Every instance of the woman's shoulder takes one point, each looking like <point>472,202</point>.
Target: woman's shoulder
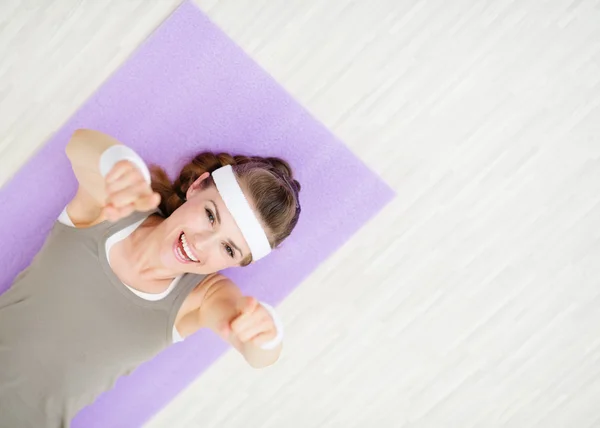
<point>188,319</point>
<point>204,289</point>
<point>207,284</point>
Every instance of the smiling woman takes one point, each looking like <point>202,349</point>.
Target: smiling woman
<point>131,266</point>
<point>272,193</point>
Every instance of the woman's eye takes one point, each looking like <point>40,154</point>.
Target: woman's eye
<point>229,250</point>
<point>210,216</point>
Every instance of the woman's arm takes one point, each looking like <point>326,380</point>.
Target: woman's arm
<point>238,319</point>
<point>84,150</point>
<point>113,180</point>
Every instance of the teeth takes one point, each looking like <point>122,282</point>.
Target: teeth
<point>187,250</point>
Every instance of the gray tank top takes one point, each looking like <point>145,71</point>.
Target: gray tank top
<point>69,328</point>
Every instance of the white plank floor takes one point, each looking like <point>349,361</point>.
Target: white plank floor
<point>472,300</point>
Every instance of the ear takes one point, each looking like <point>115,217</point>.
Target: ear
<point>196,185</point>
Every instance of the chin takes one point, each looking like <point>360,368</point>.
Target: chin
<point>204,270</point>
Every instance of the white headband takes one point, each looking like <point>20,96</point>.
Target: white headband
<point>238,206</point>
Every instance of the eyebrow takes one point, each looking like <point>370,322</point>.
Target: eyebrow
<point>229,241</point>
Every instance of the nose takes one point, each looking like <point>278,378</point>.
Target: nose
<point>203,243</point>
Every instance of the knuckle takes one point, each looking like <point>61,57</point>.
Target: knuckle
<point>124,164</point>
<point>122,199</point>
<point>143,187</point>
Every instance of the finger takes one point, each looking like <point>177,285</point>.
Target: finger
<point>127,178</point>
<point>245,316</point>
<point>128,195</point>
<point>118,170</point>
<point>247,305</point>
<point>262,338</point>
<point>224,331</point>
<point>248,330</point>
<point>146,203</point>
<point>239,323</point>
<point>110,213</point>
<point>250,313</point>
<point>125,211</point>
<point>248,334</point>
<point>114,214</point>
<point>244,322</point>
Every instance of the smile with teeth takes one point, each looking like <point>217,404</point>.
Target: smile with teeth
<point>182,250</point>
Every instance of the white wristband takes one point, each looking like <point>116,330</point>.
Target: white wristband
<point>273,343</point>
<point>117,153</point>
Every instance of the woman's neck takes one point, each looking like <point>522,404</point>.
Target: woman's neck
<point>142,249</point>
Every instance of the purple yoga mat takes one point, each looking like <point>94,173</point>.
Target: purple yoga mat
<point>189,88</point>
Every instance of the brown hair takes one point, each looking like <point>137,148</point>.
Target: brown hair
<point>269,182</point>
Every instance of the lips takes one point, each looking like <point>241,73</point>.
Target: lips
<point>182,250</point>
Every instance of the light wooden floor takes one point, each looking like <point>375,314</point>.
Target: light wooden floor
<point>473,299</point>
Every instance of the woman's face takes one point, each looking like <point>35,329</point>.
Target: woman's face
<point>201,236</point>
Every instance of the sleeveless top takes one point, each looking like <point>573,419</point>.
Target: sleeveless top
<point>69,328</point>
<point>117,237</point>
